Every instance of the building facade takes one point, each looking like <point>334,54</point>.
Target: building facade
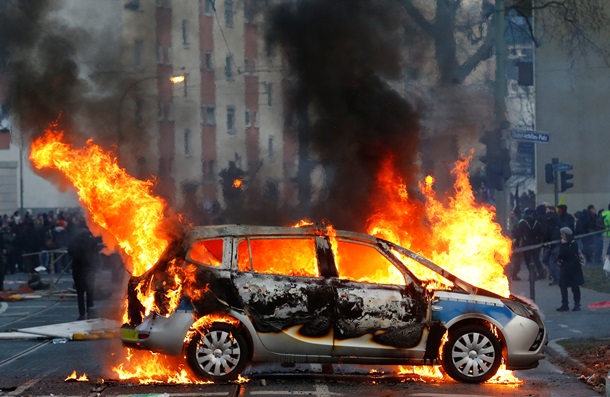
<point>227,109</point>
<point>571,106</point>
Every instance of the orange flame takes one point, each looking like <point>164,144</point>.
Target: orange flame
<point>460,236</point>
<point>73,377</point>
<point>124,207</point>
<point>237,183</point>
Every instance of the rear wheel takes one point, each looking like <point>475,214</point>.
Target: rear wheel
<point>472,354</point>
<point>217,353</point>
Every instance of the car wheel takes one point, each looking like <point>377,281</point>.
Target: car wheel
<point>217,353</point>
<point>472,354</point>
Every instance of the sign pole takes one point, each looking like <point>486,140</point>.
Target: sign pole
<point>555,182</point>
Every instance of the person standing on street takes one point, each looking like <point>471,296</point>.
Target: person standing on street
<point>83,250</point>
<point>606,234</point>
<point>529,232</point>
<point>570,270</point>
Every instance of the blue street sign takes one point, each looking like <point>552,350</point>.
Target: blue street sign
<point>531,136</point>
<point>563,167</point>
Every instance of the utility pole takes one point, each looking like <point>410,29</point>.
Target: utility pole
<point>502,195</point>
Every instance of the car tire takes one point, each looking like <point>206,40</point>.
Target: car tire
<point>472,354</point>
<point>218,353</point>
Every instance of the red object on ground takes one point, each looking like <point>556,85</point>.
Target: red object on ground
<point>599,305</point>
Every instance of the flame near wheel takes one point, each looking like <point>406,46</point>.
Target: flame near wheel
<point>218,353</point>
<point>472,354</point>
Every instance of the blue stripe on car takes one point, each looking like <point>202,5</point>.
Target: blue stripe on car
<point>455,308</point>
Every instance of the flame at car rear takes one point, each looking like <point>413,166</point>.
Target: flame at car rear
<point>122,208</point>
<point>126,214</point>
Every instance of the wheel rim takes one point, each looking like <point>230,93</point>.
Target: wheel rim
<point>218,353</point>
<point>473,354</point>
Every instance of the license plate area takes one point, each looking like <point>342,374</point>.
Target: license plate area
<point>129,334</point>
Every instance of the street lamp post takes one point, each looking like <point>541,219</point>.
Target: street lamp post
<point>174,79</point>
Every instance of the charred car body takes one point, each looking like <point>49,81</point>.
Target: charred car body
<point>255,294</point>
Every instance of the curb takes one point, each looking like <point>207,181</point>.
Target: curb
<point>555,351</point>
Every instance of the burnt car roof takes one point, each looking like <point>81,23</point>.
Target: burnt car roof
<point>203,232</point>
<point>236,230</point>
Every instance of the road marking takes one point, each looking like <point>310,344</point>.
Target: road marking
<point>19,391</point>
<point>23,353</point>
<point>3,307</point>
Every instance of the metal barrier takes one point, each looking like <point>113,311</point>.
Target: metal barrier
<point>54,257</point>
<point>531,266</point>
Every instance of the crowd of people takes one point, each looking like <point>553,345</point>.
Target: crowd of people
<point>31,244</point>
<point>565,237</point>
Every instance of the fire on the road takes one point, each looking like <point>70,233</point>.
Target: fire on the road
<point>460,236</point>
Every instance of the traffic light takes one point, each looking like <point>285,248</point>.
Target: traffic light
<point>549,173</point>
<point>496,159</point>
<point>565,177</point>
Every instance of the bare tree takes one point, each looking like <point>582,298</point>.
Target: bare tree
<point>461,34</point>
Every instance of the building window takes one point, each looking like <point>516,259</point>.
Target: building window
<point>209,7</point>
<point>170,111</point>
<point>270,148</point>
<point>248,65</point>
<point>170,56</point>
<point>248,118</point>
<point>249,12</point>
<point>132,5</point>
<point>159,55</point>
<point>229,13</point>
<point>208,115</point>
<point>231,120</point>
<point>209,169</point>
<point>185,32</point>
<point>229,67</point>
<point>137,115</point>
<point>160,111</point>
<point>209,62</point>
<point>187,143</point>
<point>211,115</point>
<point>138,47</point>
<point>269,93</point>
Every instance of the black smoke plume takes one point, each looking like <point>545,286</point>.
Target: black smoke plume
<point>46,58</point>
<point>343,53</point>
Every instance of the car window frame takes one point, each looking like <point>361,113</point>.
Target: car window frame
<point>237,240</point>
<point>224,263</point>
<point>390,258</point>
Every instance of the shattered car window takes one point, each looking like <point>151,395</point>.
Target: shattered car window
<point>364,263</point>
<point>286,256</point>
<point>207,252</point>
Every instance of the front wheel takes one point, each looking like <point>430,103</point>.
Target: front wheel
<point>472,354</point>
<point>218,353</point>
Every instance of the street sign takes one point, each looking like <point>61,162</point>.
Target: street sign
<point>563,167</point>
<point>531,136</point>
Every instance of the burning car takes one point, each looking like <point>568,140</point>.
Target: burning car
<point>230,295</point>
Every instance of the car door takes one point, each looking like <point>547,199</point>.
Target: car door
<point>288,302</point>
<point>378,314</point>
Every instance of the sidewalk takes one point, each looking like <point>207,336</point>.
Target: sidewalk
<point>591,322</point>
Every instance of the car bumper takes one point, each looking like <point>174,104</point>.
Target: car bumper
<point>159,334</point>
<point>525,341</point>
